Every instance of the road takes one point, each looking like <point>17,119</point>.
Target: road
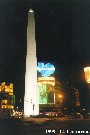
<point>51,127</point>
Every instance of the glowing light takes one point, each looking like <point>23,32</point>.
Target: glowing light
<point>4,101</point>
<point>10,93</point>
<point>8,106</point>
<point>60,96</point>
<point>87,74</point>
<point>45,69</point>
<point>31,10</point>
<point>46,80</point>
<point>6,88</point>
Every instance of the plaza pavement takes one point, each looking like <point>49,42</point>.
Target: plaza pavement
<point>42,120</point>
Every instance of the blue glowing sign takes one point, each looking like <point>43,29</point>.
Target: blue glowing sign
<point>45,69</point>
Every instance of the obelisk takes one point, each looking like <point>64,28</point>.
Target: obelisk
<point>31,103</point>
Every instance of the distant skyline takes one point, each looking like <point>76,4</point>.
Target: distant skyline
<point>62,36</point>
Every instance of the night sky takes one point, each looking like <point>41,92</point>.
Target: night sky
<point>62,36</point>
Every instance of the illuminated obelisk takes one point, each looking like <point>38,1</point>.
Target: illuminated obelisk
<point>31,105</point>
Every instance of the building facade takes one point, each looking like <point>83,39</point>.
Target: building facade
<point>7,99</point>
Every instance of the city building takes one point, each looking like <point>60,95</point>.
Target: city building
<point>7,99</point>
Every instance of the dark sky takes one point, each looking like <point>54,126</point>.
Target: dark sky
<point>62,36</point>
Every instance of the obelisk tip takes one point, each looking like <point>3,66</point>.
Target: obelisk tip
<point>31,10</point>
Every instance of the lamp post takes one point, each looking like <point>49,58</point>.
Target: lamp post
<point>60,99</point>
<point>87,77</point>
<point>60,96</point>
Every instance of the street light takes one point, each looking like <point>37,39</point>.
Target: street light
<point>87,76</point>
<point>60,99</point>
<point>60,96</point>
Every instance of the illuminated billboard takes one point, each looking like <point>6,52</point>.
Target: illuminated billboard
<point>42,94</point>
<point>45,69</point>
<point>46,91</point>
<point>46,96</point>
<point>46,81</point>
